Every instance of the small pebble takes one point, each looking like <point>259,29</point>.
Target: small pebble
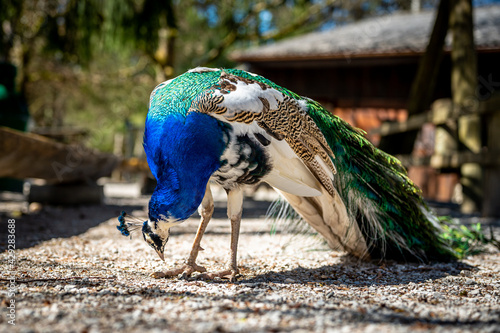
<point>69,287</point>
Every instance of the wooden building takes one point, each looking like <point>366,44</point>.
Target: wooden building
<point>363,72</point>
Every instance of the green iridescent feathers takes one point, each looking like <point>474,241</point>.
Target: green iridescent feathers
<point>176,95</point>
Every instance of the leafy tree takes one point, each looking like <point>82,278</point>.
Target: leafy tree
<point>92,63</point>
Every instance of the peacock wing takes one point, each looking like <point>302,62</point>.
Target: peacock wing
<point>302,156</point>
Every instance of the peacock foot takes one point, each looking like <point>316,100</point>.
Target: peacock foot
<point>230,274</point>
<point>185,270</point>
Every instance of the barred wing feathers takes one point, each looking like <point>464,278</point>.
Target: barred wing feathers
<point>303,161</point>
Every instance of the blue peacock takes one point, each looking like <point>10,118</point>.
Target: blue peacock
<point>235,128</point>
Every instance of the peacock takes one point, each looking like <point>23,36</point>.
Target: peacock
<point>235,129</point>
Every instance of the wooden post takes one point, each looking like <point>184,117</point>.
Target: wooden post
<point>463,87</point>
<point>445,142</point>
<point>428,69</point>
<point>118,142</point>
<point>445,145</point>
<point>424,83</point>
<point>491,206</point>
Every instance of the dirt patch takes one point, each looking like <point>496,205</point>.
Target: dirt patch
<point>74,272</point>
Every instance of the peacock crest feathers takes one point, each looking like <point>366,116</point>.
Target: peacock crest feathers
<point>129,223</point>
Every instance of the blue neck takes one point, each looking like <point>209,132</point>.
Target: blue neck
<point>182,153</point>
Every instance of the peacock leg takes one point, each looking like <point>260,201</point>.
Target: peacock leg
<point>234,210</point>
<point>206,210</point>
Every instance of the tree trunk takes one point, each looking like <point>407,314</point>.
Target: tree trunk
<point>463,87</point>
<point>172,32</point>
<point>164,55</point>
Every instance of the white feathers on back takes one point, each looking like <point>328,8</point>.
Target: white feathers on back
<point>247,98</point>
<point>200,69</point>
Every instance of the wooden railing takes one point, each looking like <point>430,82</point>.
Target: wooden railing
<point>442,114</point>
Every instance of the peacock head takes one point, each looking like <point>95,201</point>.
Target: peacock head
<point>156,234</point>
<point>155,231</point>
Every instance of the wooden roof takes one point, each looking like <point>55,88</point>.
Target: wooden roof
<point>398,34</point>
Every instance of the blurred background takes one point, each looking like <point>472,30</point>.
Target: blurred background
<point>421,77</point>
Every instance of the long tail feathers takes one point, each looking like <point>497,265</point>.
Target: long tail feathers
<point>384,209</point>
<point>329,217</point>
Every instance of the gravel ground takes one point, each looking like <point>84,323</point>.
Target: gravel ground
<point>74,272</point>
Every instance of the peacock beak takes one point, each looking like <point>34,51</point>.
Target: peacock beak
<point>160,254</point>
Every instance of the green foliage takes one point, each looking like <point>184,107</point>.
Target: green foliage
<point>92,63</point>
<point>464,240</point>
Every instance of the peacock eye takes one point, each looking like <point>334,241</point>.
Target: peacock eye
<point>147,238</point>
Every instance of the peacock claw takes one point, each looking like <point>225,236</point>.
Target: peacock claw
<point>158,275</point>
<point>229,274</point>
<point>185,270</point>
